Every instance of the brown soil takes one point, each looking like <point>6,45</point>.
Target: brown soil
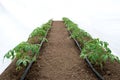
<point>59,60</point>
<point>111,71</point>
<point>34,40</point>
<point>10,73</point>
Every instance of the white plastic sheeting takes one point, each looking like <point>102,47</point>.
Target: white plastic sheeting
<point>19,17</point>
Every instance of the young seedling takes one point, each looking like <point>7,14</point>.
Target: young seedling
<point>95,50</point>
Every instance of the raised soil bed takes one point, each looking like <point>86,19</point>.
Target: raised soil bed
<point>59,60</point>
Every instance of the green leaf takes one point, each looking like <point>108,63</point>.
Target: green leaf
<point>7,55</point>
<point>19,62</point>
<point>105,58</point>
<point>34,58</point>
<point>18,68</point>
<point>25,63</point>
<point>97,51</point>
<point>18,55</point>
<point>10,54</point>
<point>45,39</point>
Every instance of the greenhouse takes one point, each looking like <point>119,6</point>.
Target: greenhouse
<point>59,40</point>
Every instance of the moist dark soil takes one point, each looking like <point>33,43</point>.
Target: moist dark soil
<point>59,60</point>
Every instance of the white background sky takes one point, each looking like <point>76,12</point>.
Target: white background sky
<point>101,18</point>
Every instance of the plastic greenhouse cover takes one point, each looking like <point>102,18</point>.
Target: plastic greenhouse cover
<point>19,17</point>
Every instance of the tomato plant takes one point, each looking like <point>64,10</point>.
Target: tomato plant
<point>98,52</point>
<point>21,51</point>
<point>25,51</point>
<point>38,34</point>
<point>95,50</point>
<point>79,34</point>
<point>47,25</point>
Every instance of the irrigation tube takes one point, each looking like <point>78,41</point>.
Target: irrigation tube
<point>76,42</point>
<point>88,62</point>
<point>93,69</point>
<point>28,67</point>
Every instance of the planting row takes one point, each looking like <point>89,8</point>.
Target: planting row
<point>95,50</point>
<point>25,52</point>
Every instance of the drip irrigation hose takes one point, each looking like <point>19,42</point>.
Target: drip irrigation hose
<point>93,69</point>
<point>88,62</point>
<point>29,66</point>
<point>26,71</point>
<point>76,42</point>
